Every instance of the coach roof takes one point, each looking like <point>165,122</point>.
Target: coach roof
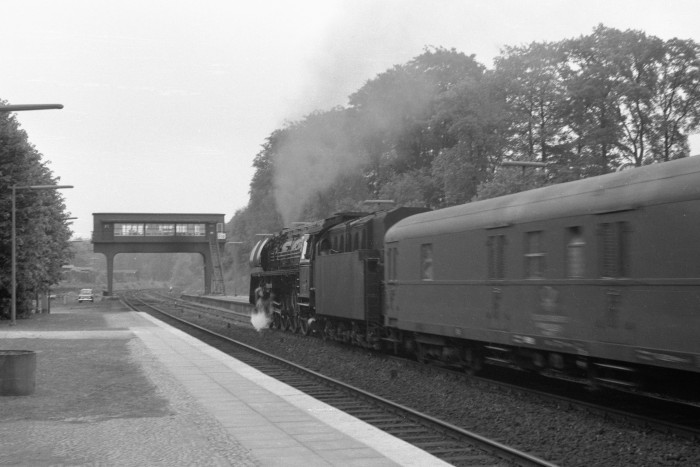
<point>673,181</point>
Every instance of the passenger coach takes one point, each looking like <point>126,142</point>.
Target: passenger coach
<point>600,275</point>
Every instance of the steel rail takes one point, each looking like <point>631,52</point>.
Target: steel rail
<point>616,413</point>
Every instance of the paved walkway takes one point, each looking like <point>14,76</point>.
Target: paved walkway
<point>116,387</point>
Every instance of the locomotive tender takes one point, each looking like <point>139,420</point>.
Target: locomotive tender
<point>599,277</point>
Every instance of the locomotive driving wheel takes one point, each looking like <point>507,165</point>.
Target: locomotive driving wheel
<point>292,309</point>
<point>304,325</point>
<point>285,322</point>
<point>293,324</point>
<point>276,321</point>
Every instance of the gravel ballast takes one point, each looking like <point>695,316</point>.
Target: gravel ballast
<point>562,435</point>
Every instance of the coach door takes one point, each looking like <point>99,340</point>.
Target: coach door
<point>496,248</point>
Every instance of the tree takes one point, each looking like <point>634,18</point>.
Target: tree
<point>634,97</point>
<point>434,131</point>
<point>530,80</point>
<point>41,232</point>
<point>473,113</point>
<point>676,104</point>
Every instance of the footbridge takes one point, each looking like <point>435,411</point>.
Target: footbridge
<point>115,233</point>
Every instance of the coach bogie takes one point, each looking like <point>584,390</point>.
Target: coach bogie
<point>473,359</point>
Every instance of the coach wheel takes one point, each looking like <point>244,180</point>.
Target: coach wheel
<point>329,331</point>
<point>421,353</point>
<point>474,361</point>
<point>343,333</point>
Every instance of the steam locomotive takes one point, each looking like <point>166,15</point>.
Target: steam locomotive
<point>598,277</point>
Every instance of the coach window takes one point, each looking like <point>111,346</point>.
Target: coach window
<point>495,246</point>
<point>575,254</point>
<point>534,255</point>
<point>426,261</point>
<point>613,248</point>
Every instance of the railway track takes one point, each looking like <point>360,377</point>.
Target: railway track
<point>647,411</point>
<point>448,442</point>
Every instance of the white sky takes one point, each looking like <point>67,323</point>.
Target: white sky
<point>167,102</point>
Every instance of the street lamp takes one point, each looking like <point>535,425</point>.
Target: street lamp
<point>22,107</point>
<point>13,315</point>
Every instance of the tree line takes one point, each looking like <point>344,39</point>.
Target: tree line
<point>434,131</point>
<point>42,234</point>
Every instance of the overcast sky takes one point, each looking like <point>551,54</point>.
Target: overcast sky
<point>167,102</point>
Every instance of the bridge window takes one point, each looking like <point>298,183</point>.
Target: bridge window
<point>125,230</point>
<point>160,230</point>
<point>190,230</point>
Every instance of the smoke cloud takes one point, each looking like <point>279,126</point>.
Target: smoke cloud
<point>310,160</point>
<point>260,320</point>
<point>337,66</point>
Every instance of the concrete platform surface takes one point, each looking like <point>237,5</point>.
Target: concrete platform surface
<point>115,387</point>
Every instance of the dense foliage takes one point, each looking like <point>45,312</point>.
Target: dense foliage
<point>434,131</point>
<point>41,229</point>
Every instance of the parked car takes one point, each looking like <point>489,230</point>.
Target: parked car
<point>86,295</point>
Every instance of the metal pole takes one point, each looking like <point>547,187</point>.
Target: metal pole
<point>13,309</point>
<point>13,313</point>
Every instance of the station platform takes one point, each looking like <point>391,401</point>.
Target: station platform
<point>116,387</point>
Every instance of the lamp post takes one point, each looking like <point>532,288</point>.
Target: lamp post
<point>13,314</point>
<point>23,107</point>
